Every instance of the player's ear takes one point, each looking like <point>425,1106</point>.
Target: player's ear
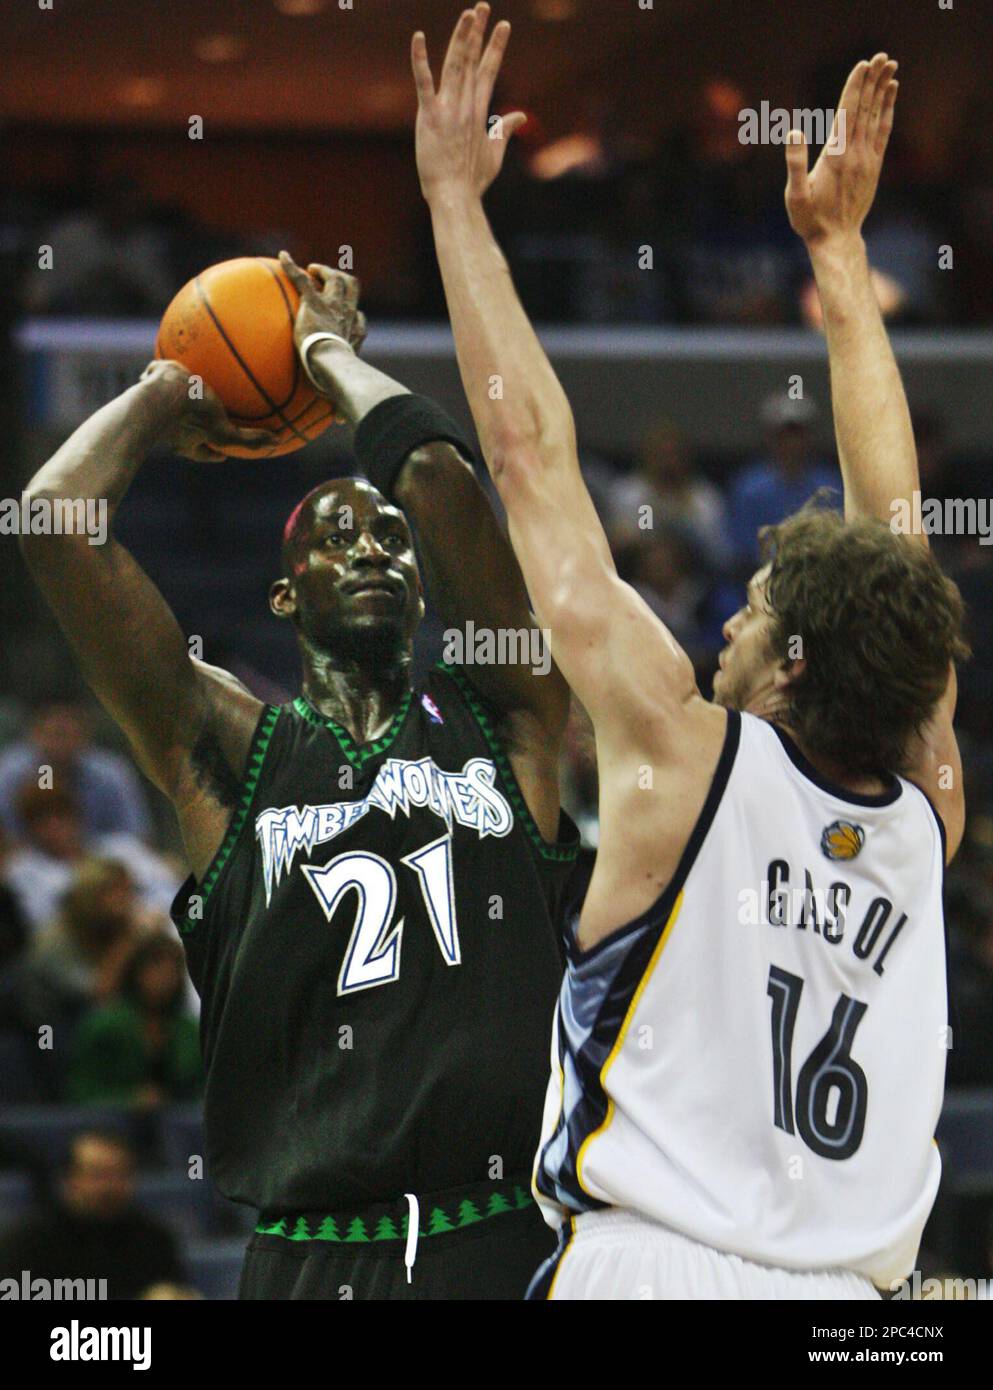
<point>789,671</point>
<point>282,598</point>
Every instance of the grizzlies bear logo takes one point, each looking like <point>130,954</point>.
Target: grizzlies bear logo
<point>842,840</point>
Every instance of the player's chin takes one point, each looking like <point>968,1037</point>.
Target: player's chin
<point>721,690</point>
<point>376,636</point>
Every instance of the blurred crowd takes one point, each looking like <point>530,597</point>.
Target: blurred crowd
<point>704,213</point>
<point>92,979</point>
<point>609,226</point>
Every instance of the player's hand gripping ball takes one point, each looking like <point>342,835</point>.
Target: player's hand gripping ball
<point>329,302</point>
<point>233,325</point>
<point>198,426</point>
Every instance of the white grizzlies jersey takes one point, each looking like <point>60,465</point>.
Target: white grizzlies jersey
<point>758,1060</point>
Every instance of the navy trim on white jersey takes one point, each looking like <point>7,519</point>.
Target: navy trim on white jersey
<point>892,793</point>
<point>662,906</point>
<point>596,996</point>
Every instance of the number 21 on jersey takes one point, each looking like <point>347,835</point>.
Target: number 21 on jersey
<point>372,956</point>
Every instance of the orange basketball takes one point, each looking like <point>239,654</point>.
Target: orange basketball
<point>233,326</point>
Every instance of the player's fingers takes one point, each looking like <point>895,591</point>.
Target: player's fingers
<point>848,103</point>
<point>474,43</point>
<point>421,68</point>
<point>298,278</point>
<point>489,67</point>
<point>867,96</point>
<point>797,178</point>
<point>880,72</point>
<point>513,122</point>
<point>454,65</point>
<point>342,288</point>
<point>886,119</point>
<point>334,283</point>
<point>879,99</point>
<point>203,453</point>
<point>256,440</point>
<point>320,274</point>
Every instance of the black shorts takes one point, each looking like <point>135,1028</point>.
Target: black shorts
<point>482,1242</point>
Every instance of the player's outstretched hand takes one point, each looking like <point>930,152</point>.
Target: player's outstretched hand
<point>456,147</point>
<point>835,196</point>
<point>198,425</point>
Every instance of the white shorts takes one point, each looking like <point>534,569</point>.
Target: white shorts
<point>620,1255</point>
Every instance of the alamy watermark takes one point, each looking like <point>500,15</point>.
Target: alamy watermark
<point>942,516</point>
<point>502,646</point>
<point>38,1290</point>
<point>947,1288</point>
<point>83,1343</point>
<point>772,125</point>
<point>54,516</point>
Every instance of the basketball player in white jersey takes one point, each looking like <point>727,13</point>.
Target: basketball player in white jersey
<point>749,1047</point>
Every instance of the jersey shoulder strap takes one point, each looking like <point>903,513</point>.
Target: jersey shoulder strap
<point>447,682</point>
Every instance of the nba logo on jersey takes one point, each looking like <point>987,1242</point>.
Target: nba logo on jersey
<point>842,840</point>
<point>434,713</point>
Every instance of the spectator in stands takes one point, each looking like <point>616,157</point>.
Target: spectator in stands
<point>734,260</point>
<point>665,488</point>
<point>108,259</point>
<point>615,281</point>
<point>776,486</point>
<point>92,1230</point>
<point>79,961</point>
<point>668,571</point>
<point>141,1049</point>
<point>55,843</point>
<point>108,792</point>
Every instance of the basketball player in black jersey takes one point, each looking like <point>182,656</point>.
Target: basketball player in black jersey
<point>375,868</point>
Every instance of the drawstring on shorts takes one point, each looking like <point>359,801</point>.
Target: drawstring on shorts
<point>413,1227</point>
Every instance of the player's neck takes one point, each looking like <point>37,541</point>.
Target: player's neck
<point>363,701</point>
<point>862,784</point>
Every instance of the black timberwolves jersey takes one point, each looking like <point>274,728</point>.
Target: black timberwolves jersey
<point>375,954</point>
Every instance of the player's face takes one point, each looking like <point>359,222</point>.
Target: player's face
<point>747,664</point>
<point>354,587</point>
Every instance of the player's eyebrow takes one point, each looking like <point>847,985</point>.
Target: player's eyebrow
<point>392,517</point>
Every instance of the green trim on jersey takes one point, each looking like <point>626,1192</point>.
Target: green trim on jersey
<point>356,755</point>
<point>561,854</point>
<point>352,1228</point>
<point>253,771</point>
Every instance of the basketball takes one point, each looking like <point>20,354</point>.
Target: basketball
<point>232,325</point>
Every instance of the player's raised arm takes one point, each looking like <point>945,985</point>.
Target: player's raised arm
<point>472,573</point>
<point>827,207</point>
<point>522,415</point>
<point>176,712</point>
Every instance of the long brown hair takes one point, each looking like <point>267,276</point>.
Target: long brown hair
<point>879,624</point>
